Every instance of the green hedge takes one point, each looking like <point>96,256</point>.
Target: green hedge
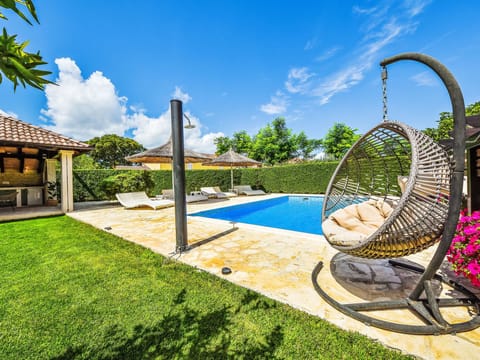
<point>87,184</point>
<point>310,178</point>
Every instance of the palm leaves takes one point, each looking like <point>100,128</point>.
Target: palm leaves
<point>16,64</point>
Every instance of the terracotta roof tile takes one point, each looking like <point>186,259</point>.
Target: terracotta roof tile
<point>17,132</point>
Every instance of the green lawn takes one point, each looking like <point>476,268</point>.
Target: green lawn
<point>69,291</point>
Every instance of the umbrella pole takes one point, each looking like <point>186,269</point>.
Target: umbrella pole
<point>231,177</point>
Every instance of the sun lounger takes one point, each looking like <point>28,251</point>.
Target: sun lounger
<point>247,190</point>
<point>195,197</point>
<point>140,199</point>
<point>228,193</point>
<point>169,195</point>
<point>212,192</point>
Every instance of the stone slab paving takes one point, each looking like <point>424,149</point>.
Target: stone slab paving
<point>276,263</point>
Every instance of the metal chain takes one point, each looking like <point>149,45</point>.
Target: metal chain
<point>384,90</point>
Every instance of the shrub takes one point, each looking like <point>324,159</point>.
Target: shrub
<point>127,182</point>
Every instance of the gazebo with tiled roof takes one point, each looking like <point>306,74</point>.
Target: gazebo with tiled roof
<point>28,156</point>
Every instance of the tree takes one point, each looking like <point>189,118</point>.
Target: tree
<point>17,65</point>
<point>223,144</point>
<point>443,129</point>
<point>110,150</point>
<point>265,147</point>
<point>84,162</point>
<point>445,123</point>
<point>242,142</point>
<point>273,143</point>
<point>339,139</point>
<point>284,139</point>
<point>305,147</point>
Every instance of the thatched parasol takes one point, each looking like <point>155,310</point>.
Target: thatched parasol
<point>231,158</point>
<point>164,154</point>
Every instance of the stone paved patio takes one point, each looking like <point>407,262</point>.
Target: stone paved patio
<point>273,262</point>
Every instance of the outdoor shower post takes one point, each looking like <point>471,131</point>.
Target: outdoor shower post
<point>179,176</point>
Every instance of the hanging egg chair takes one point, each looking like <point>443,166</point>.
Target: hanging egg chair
<point>389,195</point>
<point>397,192</point>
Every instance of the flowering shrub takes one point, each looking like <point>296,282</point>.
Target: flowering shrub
<point>464,252</point>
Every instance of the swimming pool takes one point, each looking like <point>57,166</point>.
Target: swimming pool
<point>297,213</point>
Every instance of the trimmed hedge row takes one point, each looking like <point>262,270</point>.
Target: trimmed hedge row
<point>310,178</point>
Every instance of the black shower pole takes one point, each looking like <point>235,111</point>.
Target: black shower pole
<point>178,170</point>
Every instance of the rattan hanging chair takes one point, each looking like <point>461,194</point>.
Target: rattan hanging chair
<point>396,192</point>
<point>374,169</point>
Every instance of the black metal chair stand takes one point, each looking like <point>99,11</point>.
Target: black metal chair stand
<point>425,213</point>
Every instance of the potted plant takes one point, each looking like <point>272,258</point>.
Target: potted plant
<point>52,193</point>
<point>464,252</point>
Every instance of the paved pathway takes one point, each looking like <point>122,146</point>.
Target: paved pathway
<point>275,263</point>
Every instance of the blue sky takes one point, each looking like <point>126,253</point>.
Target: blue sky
<point>239,64</point>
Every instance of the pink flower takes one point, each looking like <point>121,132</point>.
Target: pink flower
<point>464,219</point>
<point>464,251</point>
<point>471,249</point>
<point>474,268</point>
<point>471,229</point>
<point>458,239</point>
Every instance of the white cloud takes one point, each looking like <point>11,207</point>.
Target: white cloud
<point>382,31</point>
<point>374,16</point>
<point>153,132</point>
<point>388,33</point>
<point>8,113</point>
<point>297,79</point>
<point>415,7</point>
<point>424,79</point>
<point>380,25</point>
<point>180,95</point>
<point>83,108</point>
<point>196,141</point>
<point>310,44</point>
<point>150,131</point>
<point>338,82</point>
<point>277,105</point>
<point>364,11</point>
<point>328,54</point>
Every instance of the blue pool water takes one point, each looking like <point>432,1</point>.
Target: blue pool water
<point>297,213</point>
